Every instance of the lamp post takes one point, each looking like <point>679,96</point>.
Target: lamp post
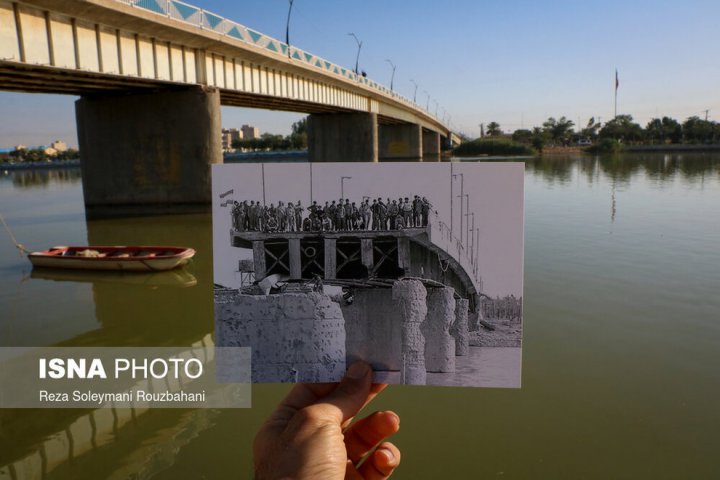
<point>467,209</point>
<point>287,27</point>
<point>477,252</point>
<point>357,58</point>
<point>342,186</point>
<point>462,190</point>
<point>427,104</point>
<point>414,94</point>
<point>472,247</point>
<point>392,78</point>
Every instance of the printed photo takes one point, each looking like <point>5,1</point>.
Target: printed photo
<point>416,268</point>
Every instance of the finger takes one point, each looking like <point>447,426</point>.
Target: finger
<point>381,463</point>
<point>364,435</point>
<point>349,397</point>
<point>375,389</point>
<point>299,397</point>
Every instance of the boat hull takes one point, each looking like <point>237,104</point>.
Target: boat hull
<point>131,259</point>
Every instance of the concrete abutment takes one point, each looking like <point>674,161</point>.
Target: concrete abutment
<point>149,149</point>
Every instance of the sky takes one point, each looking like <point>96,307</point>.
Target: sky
<point>516,62</point>
<point>495,196</point>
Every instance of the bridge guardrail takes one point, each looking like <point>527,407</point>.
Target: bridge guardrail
<point>440,235</point>
<point>205,20</point>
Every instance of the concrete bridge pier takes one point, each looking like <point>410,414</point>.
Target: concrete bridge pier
<point>343,137</point>
<point>410,296</point>
<point>148,149</point>
<point>439,344</point>
<point>430,146</point>
<point>401,142</point>
<point>460,330</point>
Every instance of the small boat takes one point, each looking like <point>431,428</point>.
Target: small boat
<point>136,259</point>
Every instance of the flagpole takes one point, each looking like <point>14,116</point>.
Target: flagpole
<point>617,83</point>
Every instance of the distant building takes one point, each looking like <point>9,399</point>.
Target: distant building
<point>50,151</point>
<point>229,135</point>
<point>20,147</point>
<point>249,132</point>
<point>59,146</point>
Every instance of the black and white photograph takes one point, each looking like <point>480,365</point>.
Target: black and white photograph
<point>415,268</point>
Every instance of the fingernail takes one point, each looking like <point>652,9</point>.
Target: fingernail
<point>393,415</point>
<point>388,454</point>
<point>358,370</point>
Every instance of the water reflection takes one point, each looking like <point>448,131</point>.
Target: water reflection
<point>691,167</point>
<point>33,178</point>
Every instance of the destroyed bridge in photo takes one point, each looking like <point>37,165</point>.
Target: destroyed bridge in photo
<point>366,258</point>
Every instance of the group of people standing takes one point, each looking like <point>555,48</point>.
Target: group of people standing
<point>342,215</point>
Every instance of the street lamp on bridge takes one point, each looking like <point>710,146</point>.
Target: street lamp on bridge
<point>462,189</point>
<point>342,186</point>
<point>359,44</point>
<point>414,94</point>
<point>287,27</point>
<point>467,214</point>
<point>392,78</point>
<point>427,104</point>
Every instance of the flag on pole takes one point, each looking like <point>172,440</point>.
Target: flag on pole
<point>617,81</point>
<point>229,192</point>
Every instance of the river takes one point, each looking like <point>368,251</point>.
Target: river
<point>621,334</point>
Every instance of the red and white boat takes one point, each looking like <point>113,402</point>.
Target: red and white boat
<point>119,258</point>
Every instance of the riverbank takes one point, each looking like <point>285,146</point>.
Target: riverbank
<point>36,165</point>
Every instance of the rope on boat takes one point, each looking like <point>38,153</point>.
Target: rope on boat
<point>18,245</point>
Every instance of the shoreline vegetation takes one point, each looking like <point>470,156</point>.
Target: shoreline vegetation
<point>558,136</point>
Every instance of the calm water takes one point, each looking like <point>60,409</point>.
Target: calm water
<point>621,349</point>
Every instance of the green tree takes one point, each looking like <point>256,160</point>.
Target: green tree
<point>696,130</point>
<point>591,129</point>
<point>539,139</point>
<point>559,131</point>
<point>522,135</point>
<point>663,130</point>
<point>493,129</point>
<point>622,128</point>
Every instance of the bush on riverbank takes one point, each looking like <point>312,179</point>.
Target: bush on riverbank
<point>606,146</point>
<point>492,146</point>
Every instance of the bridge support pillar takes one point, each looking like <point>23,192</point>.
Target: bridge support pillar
<point>400,142</point>
<point>439,344</point>
<point>430,146</point>
<point>460,330</point>
<point>343,137</point>
<point>410,296</point>
<point>330,245</point>
<point>295,258</point>
<point>149,149</point>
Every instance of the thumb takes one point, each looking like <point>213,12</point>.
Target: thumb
<point>352,393</point>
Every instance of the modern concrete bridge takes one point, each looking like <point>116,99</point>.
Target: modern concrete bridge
<point>152,75</point>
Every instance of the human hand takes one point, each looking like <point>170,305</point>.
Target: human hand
<point>308,437</point>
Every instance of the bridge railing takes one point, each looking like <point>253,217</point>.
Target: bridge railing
<point>440,234</point>
<point>205,20</point>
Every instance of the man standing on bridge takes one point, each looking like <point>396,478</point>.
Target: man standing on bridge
<point>298,215</point>
<point>330,211</point>
<point>251,215</point>
<point>365,214</point>
<point>393,213</point>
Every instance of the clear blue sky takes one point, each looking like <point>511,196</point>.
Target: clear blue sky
<point>514,62</point>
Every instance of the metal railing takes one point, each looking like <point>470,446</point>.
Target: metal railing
<point>202,19</point>
<point>441,236</point>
